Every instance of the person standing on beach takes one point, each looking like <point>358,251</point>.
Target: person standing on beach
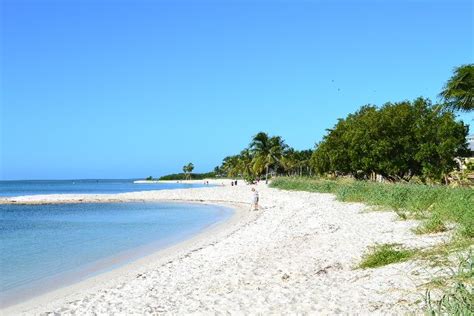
<point>255,199</point>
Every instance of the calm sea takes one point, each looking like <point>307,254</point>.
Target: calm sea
<point>30,187</point>
<point>44,247</point>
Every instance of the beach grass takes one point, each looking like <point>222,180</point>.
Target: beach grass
<point>454,293</point>
<point>436,206</point>
<point>382,255</point>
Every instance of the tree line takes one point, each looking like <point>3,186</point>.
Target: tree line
<point>266,155</point>
<point>397,141</point>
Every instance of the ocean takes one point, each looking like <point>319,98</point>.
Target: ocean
<point>96,186</point>
<point>45,247</point>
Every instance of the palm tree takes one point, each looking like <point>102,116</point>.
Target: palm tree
<point>187,169</point>
<point>230,165</point>
<point>289,161</point>
<point>217,171</point>
<point>459,90</point>
<point>296,161</point>
<point>304,157</point>
<point>245,161</point>
<point>190,168</point>
<point>267,152</point>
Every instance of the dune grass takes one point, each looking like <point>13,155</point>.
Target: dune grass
<point>455,293</point>
<point>435,205</point>
<point>382,255</point>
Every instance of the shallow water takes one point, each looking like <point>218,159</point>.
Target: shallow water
<point>99,186</point>
<point>47,246</point>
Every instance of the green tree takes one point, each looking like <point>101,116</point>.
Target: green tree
<point>289,161</point>
<point>230,166</point>
<point>190,168</point>
<point>304,158</point>
<point>331,154</point>
<point>295,162</point>
<point>187,169</point>
<point>245,164</point>
<point>267,152</point>
<point>439,139</point>
<point>398,141</point>
<point>458,92</point>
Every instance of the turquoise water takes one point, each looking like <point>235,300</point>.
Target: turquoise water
<point>97,186</point>
<point>47,246</point>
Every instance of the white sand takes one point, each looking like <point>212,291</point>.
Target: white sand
<point>298,254</point>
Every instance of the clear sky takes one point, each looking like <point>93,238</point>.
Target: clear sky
<point>124,89</point>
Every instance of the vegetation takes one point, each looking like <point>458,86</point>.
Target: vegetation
<point>437,205</point>
<point>458,92</point>
<point>266,152</point>
<point>398,141</point>
<point>402,152</point>
<point>266,155</point>
<point>185,176</point>
<point>187,169</point>
<point>457,294</point>
<point>385,254</point>
<point>149,178</point>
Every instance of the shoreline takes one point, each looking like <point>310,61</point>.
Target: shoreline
<point>135,196</point>
<point>126,270</point>
<point>211,181</point>
<point>298,254</point>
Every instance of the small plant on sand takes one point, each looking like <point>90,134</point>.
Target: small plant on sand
<point>432,225</point>
<point>401,214</point>
<point>458,298</point>
<point>382,255</point>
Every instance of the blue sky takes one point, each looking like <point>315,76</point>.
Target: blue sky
<point>123,89</point>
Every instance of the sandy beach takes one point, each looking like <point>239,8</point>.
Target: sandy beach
<point>297,254</point>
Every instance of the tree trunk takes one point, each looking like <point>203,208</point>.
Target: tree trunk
<point>266,175</point>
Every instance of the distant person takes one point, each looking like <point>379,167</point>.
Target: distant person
<point>255,199</point>
<point>235,182</point>
<point>232,183</point>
